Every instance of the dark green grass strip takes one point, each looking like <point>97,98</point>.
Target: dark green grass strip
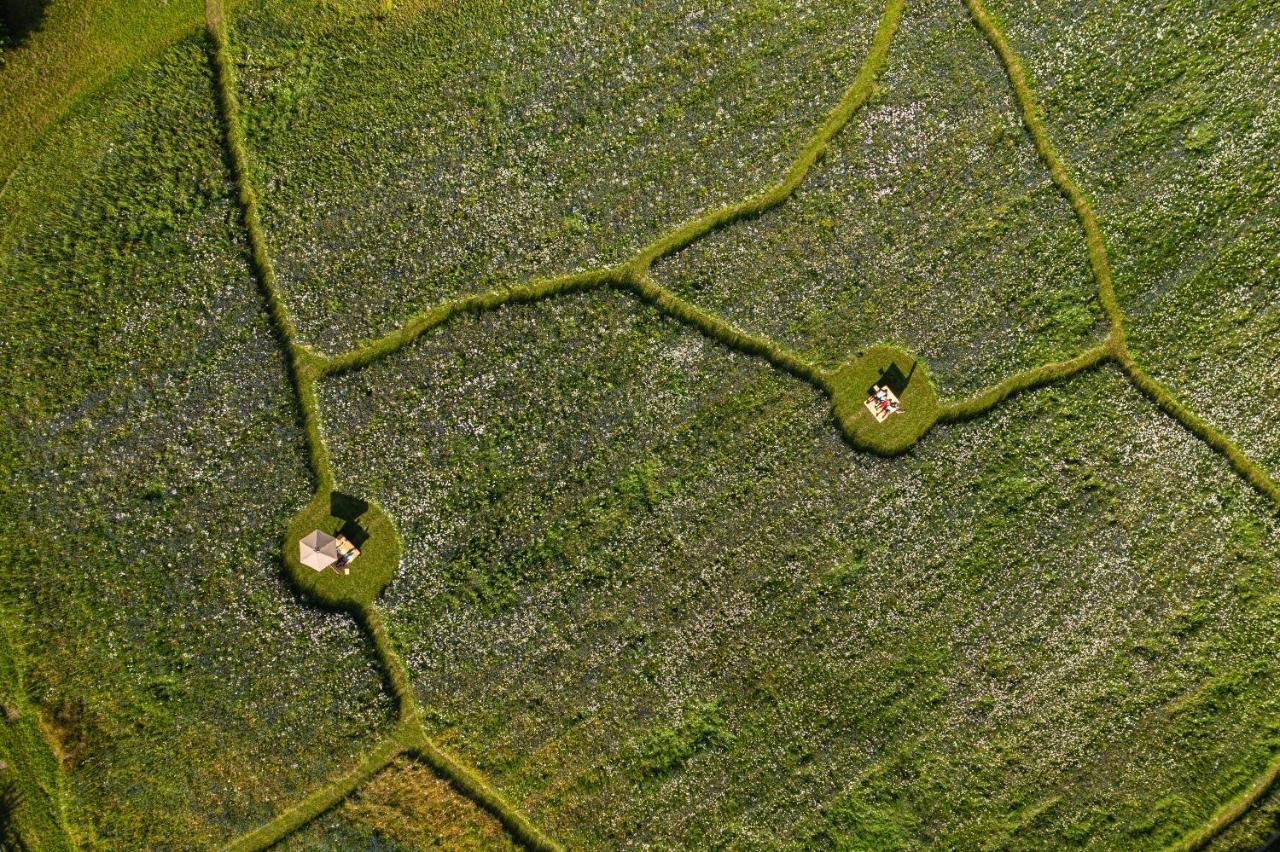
<point>303,365</point>
<point>38,816</point>
<point>1202,429</point>
<point>1036,377</point>
<point>1230,812</point>
<point>319,801</point>
<point>633,271</point>
<point>717,329</point>
<point>1033,118</point>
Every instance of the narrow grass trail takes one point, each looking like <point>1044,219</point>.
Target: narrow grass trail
<point>632,276</point>
<point>409,736</point>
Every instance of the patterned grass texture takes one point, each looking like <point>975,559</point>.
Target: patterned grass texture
<point>419,168</point>
<point>1168,119</point>
<point>655,597</point>
<point>152,459</point>
<point>930,222</point>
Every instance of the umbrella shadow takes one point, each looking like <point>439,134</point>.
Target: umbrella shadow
<point>19,19</point>
<point>349,509</point>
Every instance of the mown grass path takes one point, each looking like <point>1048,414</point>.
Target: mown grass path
<point>632,276</point>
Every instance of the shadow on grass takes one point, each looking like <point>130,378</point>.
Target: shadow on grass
<point>19,19</point>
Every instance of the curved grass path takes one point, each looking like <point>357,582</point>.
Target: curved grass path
<point>631,276</point>
<point>1249,470</point>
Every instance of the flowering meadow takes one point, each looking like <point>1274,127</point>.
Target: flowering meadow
<point>152,458</point>
<point>647,592</point>
<point>930,223</point>
<point>1171,116</point>
<point>648,589</point>
<point>476,143</point>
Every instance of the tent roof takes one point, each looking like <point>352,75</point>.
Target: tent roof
<point>318,550</point>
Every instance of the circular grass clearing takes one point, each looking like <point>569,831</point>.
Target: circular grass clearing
<point>851,385</point>
<point>366,526</point>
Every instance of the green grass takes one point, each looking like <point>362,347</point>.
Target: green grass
<point>691,517</point>
<point>156,431</point>
<point>849,391</point>
<point>648,594</point>
<point>369,573</point>
<point>38,818</point>
<point>78,48</point>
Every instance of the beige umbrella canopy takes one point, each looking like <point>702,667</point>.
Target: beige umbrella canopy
<point>318,550</point>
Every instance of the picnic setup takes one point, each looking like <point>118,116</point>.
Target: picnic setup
<point>319,550</point>
<point>883,397</point>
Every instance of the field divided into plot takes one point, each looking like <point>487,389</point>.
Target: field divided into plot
<point>1170,118</point>
<point>151,459</point>
<point>648,591</point>
<point>478,143</point>
<point>929,223</point>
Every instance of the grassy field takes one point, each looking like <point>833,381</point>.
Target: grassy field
<point>469,144</point>
<point>1170,117</point>
<point>151,462</point>
<point>643,588</point>
<point>67,50</point>
<point>644,578</point>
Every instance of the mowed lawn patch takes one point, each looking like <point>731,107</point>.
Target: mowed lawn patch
<point>363,524</point>
<point>851,387</point>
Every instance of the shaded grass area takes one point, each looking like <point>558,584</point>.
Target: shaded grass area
<point>698,619</point>
<point>928,221</point>
<point>151,461</point>
<point>68,50</point>
<point>419,169</point>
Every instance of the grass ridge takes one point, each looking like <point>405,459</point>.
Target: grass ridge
<point>1231,811</point>
<point>634,270</point>
<point>1033,120</point>
<point>1248,470</point>
<point>319,801</point>
<point>302,362</point>
<point>667,302</point>
<point>1215,438</point>
<point>40,810</point>
<point>1045,374</point>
